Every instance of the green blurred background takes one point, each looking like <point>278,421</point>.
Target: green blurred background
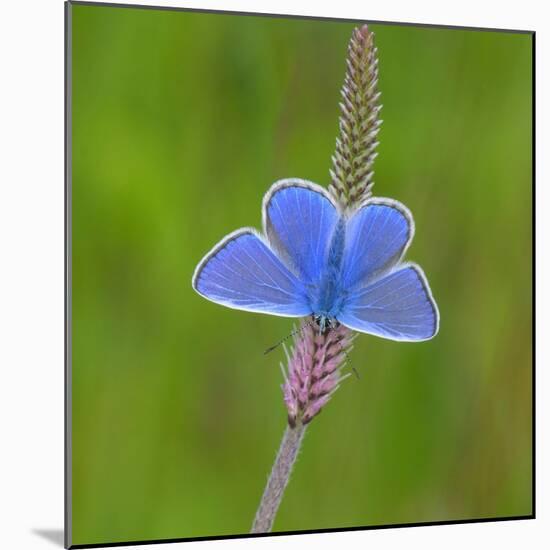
<point>181,122</point>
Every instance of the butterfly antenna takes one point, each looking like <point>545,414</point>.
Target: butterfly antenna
<point>348,361</point>
<point>283,340</point>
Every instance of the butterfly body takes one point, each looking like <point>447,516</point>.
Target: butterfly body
<point>326,297</point>
<point>313,259</point>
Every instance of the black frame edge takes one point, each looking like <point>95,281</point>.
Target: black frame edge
<point>290,16</point>
<point>67,538</point>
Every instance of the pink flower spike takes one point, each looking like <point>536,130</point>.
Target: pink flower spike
<point>314,366</point>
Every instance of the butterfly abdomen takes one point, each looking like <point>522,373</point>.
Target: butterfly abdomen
<point>336,250</point>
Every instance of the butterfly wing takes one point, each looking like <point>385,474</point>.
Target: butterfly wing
<point>242,272</point>
<point>399,306</point>
<point>299,219</point>
<point>377,236</point>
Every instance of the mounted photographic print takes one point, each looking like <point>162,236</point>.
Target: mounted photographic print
<point>299,274</point>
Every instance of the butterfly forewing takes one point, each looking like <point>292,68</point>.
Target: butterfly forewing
<point>399,306</point>
<point>242,272</point>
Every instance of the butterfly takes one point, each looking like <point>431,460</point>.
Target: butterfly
<point>315,259</point>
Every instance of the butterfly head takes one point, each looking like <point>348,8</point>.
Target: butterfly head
<point>325,323</point>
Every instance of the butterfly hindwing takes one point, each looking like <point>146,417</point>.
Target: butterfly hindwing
<point>242,272</point>
<point>398,306</point>
<point>299,219</point>
<point>377,236</point>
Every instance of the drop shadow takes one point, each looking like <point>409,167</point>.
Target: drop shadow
<point>55,536</point>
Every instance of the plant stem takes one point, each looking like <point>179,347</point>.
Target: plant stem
<point>313,372</point>
<point>278,479</point>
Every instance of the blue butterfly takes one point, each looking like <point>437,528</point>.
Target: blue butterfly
<point>314,259</point>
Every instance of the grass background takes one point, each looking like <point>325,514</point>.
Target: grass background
<point>181,122</point>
